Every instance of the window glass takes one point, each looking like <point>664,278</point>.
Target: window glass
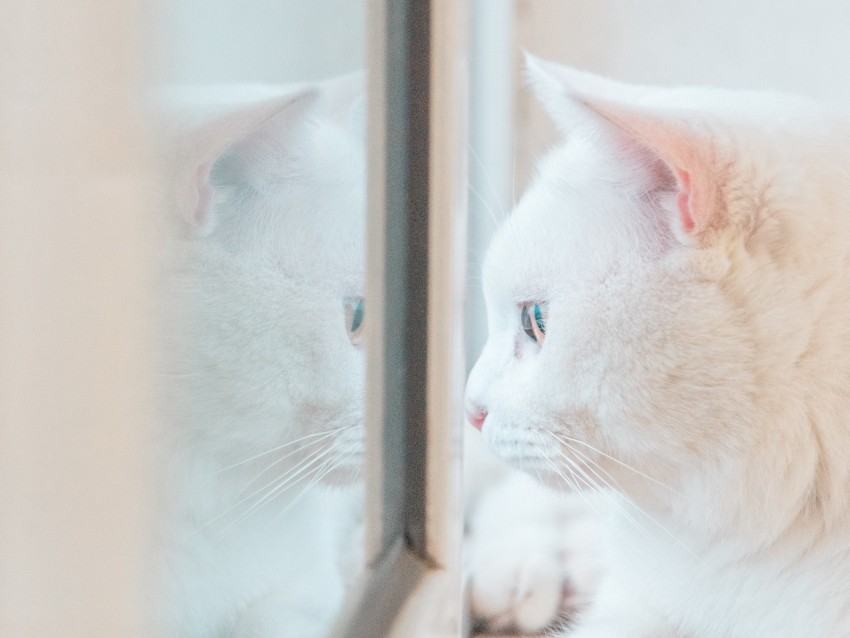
<point>260,110</point>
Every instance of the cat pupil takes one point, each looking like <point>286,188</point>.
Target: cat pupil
<point>538,318</point>
<point>358,316</point>
<point>536,329</point>
<point>354,308</point>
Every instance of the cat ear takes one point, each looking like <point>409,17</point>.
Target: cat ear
<point>575,98</point>
<point>563,91</point>
<point>248,131</point>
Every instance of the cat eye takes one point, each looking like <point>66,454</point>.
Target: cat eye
<point>533,318</point>
<point>354,318</point>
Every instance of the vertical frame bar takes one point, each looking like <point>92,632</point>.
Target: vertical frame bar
<point>416,243</point>
<point>406,268</point>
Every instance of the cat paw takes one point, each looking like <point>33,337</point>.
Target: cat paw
<point>516,583</point>
<point>531,557</point>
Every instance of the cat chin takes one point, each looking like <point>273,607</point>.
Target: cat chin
<point>543,470</point>
<point>558,479</point>
<point>551,479</point>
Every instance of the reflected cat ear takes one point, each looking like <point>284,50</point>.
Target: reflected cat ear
<point>344,100</point>
<point>577,98</point>
<point>247,132</point>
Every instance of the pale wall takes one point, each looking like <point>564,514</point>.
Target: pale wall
<point>786,45</point>
<point>270,41</point>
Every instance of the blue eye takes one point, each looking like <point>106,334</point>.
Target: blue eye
<point>533,320</point>
<point>354,307</point>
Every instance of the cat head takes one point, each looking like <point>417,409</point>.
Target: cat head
<point>264,368</point>
<point>664,293</point>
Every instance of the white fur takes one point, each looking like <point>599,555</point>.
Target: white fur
<point>257,367</point>
<point>531,555</point>
<point>704,373</point>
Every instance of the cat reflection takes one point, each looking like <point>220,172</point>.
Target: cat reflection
<point>262,365</point>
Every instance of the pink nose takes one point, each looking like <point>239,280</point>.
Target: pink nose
<point>476,417</point>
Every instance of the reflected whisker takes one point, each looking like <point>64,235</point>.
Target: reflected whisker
<point>312,470</point>
<point>320,474</point>
<point>285,456</point>
<point>323,435</point>
<point>283,483</point>
<point>293,472</point>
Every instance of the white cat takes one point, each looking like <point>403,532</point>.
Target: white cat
<point>262,372</point>
<point>668,317</point>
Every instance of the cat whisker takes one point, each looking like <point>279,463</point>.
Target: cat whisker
<point>615,487</point>
<point>484,204</point>
<point>513,180</point>
<point>488,181</point>
<point>576,470</point>
<point>573,482</point>
<point>356,476</point>
<point>568,439</point>
<point>640,564</point>
<point>609,483</point>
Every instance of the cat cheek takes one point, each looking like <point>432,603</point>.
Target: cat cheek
<point>204,192</point>
<point>518,344</point>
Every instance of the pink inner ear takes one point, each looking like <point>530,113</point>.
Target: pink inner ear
<point>204,193</point>
<point>681,147</point>
<point>678,148</point>
<point>685,201</point>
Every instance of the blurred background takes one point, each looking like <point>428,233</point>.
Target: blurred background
<point>780,45</point>
<point>268,41</point>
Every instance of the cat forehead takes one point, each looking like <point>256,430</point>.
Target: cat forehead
<point>305,177</point>
<point>579,219</point>
<point>318,154</point>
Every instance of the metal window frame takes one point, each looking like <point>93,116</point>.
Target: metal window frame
<point>415,284</point>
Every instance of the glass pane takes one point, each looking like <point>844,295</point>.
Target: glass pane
<point>261,110</point>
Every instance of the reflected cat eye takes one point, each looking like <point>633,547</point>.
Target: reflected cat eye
<point>533,319</point>
<point>354,307</point>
